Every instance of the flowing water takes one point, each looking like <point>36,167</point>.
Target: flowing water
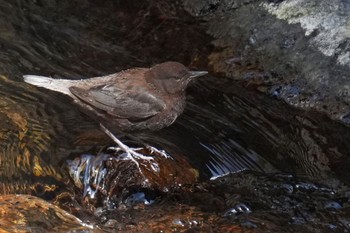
<point>224,129</point>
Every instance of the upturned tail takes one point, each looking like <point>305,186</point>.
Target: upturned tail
<point>59,85</point>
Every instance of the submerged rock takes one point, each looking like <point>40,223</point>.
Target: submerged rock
<point>24,213</point>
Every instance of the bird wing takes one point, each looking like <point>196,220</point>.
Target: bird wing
<point>134,103</point>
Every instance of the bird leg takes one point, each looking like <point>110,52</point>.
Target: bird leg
<point>131,153</point>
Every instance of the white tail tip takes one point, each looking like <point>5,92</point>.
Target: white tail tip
<point>59,85</point>
<point>36,80</point>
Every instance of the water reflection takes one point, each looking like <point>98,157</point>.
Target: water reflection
<point>229,130</point>
<point>24,213</point>
<point>226,131</point>
<point>225,128</point>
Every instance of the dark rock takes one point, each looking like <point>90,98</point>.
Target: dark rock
<point>302,41</point>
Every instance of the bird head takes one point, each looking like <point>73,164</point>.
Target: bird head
<point>171,77</point>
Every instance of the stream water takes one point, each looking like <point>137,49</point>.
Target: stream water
<point>225,128</point>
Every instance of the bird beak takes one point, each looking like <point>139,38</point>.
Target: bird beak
<point>194,74</point>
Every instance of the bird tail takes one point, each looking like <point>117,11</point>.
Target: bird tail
<point>59,85</point>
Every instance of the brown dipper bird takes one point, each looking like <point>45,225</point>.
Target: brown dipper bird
<point>131,100</point>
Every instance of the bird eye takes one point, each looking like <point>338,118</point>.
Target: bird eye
<point>182,74</point>
<point>176,77</point>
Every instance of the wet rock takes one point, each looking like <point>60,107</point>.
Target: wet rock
<point>113,180</point>
<point>88,38</point>
<point>24,213</point>
<point>300,46</point>
<point>169,217</point>
<point>242,202</point>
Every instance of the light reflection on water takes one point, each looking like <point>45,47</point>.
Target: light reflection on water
<point>229,130</point>
<point>225,128</point>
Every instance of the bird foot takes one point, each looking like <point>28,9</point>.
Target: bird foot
<point>131,153</point>
<point>155,150</point>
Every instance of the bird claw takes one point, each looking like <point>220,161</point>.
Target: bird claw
<point>131,153</point>
<point>160,152</point>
